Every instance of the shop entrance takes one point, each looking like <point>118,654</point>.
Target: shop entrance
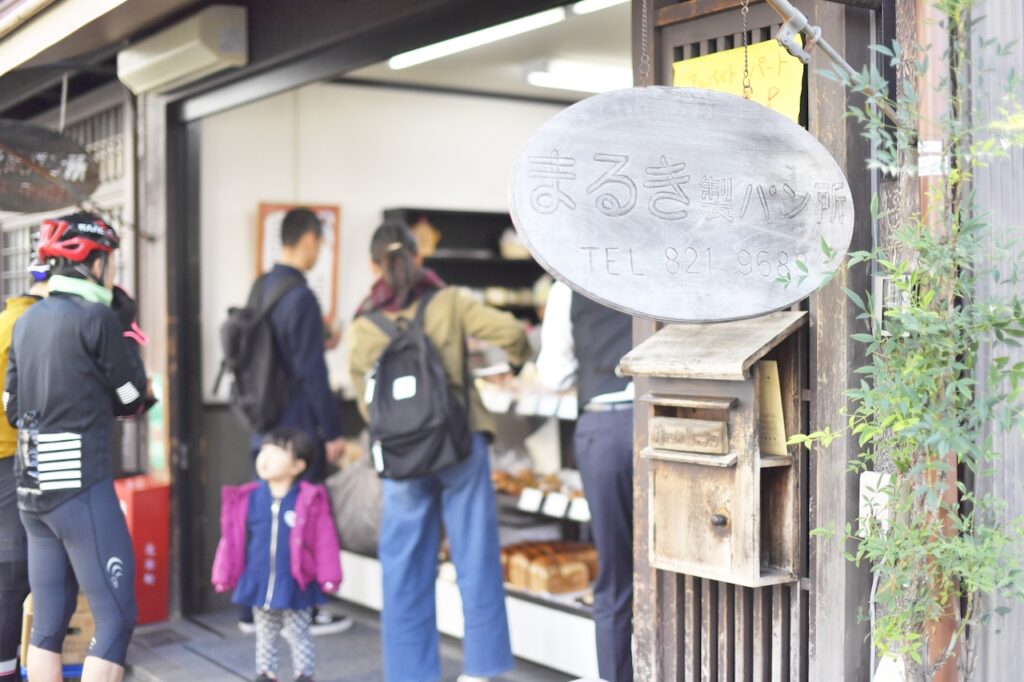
<point>431,145</point>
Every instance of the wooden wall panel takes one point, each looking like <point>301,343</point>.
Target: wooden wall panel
<point>720,632</point>
<point>1000,647</point>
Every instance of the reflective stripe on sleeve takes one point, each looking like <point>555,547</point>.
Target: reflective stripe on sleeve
<point>128,393</point>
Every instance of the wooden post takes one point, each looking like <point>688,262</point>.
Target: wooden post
<point>151,266</point>
<point>933,98</point>
<point>839,590</point>
<point>645,577</point>
<point>646,592</point>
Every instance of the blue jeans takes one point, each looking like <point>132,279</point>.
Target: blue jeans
<point>462,495</point>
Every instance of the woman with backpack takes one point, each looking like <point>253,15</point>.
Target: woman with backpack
<point>441,474</point>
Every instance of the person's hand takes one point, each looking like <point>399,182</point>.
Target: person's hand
<point>332,341</point>
<point>505,380</point>
<point>335,450</point>
<point>150,399</point>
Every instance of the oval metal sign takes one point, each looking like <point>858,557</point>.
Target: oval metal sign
<point>683,205</point>
<point>42,170</point>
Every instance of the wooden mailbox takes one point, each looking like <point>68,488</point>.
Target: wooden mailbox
<point>719,507</point>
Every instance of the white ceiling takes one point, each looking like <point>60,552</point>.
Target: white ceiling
<point>601,37</point>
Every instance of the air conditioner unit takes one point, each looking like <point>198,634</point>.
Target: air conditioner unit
<point>207,42</point>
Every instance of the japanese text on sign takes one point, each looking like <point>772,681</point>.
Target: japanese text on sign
<point>646,201</point>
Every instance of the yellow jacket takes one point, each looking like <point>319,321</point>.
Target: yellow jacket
<point>15,307</point>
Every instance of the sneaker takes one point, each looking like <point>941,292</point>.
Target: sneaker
<point>327,623</point>
<point>471,678</point>
<point>247,629</point>
<point>263,677</point>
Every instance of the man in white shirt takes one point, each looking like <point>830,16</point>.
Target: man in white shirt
<point>581,345</point>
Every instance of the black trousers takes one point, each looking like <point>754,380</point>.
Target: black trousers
<point>604,455</point>
<point>13,570</point>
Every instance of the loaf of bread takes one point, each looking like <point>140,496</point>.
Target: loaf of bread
<point>517,562</point>
<point>557,574</point>
<point>588,555</point>
<point>520,560</point>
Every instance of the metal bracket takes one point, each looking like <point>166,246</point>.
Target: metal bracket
<point>787,36</point>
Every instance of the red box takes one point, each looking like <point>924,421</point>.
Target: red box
<point>146,502</point>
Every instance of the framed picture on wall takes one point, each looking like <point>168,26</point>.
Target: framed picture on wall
<point>323,278</point>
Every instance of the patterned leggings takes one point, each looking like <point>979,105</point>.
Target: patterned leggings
<point>294,625</point>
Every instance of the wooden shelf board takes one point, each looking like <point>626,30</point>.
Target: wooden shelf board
<point>723,461</point>
<point>769,461</point>
<point>696,402</point>
<point>769,576</point>
<point>723,351</point>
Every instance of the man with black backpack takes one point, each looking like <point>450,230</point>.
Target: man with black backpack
<point>281,377</point>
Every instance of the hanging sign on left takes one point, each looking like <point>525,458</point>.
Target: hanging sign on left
<point>42,170</point>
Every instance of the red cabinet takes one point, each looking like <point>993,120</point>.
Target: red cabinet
<point>145,502</point>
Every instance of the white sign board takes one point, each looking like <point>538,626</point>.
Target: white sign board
<point>681,204</point>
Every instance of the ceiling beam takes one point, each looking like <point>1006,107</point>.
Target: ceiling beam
<point>370,35</point>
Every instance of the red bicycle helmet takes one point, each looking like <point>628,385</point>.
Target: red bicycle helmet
<point>75,237</point>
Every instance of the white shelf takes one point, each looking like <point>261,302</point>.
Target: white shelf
<point>530,403</point>
<point>548,505</point>
<point>547,635</point>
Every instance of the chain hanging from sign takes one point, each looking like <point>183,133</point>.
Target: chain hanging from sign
<point>645,54</point>
<point>682,204</point>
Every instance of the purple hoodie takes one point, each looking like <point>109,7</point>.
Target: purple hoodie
<point>315,554</point>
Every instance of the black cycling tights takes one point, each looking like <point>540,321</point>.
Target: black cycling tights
<point>83,541</point>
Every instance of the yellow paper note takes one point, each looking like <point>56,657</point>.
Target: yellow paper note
<point>773,425</point>
<point>777,77</point>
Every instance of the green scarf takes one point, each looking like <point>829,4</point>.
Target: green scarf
<point>90,291</point>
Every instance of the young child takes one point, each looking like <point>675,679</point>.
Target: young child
<point>279,550</point>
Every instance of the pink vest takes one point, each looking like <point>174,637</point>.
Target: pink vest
<point>315,554</point>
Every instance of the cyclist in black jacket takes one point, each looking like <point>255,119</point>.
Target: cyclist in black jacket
<point>72,371</point>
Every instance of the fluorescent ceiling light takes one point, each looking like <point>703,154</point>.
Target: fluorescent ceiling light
<point>477,38</point>
<point>588,6</point>
<point>563,74</point>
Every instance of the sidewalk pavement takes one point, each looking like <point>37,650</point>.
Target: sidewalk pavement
<point>210,648</point>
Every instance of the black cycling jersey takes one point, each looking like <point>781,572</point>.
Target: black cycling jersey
<point>71,372</point>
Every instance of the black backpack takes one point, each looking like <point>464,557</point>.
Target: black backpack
<point>417,425</point>
<point>261,382</point>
